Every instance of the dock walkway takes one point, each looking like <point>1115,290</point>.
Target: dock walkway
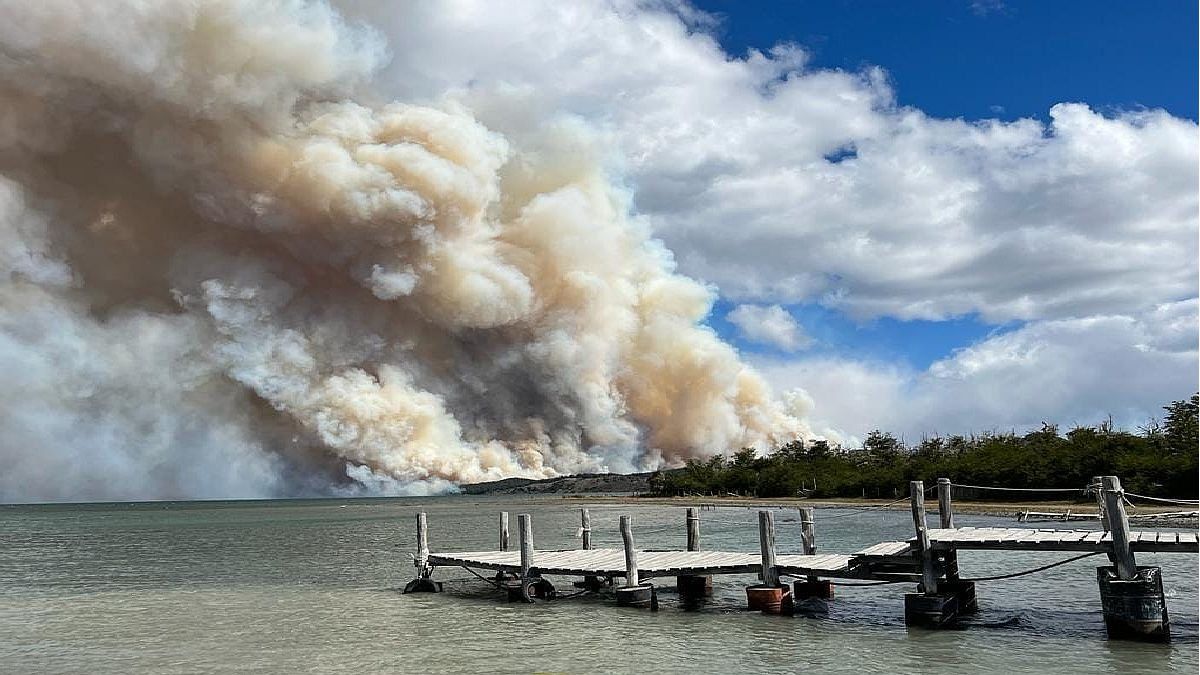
<point>1133,600</point>
<point>610,562</point>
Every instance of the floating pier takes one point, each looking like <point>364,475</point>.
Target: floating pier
<point>1134,606</point>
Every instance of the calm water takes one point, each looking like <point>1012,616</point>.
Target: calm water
<point>313,586</point>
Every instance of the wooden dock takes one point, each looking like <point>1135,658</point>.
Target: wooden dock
<point>1133,599</point>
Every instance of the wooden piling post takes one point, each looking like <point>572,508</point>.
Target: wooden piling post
<point>946,516</point>
<point>766,545</point>
<point>525,531</point>
<point>945,506</point>
<point>808,535</point>
<point>634,593</point>
<point>810,593</point>
<point>631,566</point>
<point>423,583</point>
<point>504,530</point>
<point>930,608</point>
<point>422,558</point>
<point>693,530</point>
<point>1135,607</point>
<point>1118,524</point>
<point>916,494</point>
<point>769,596</point>
<point>691,586</point>
<point>586,528</point>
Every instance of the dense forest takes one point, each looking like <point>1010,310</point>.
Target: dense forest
<point>1158,460</point>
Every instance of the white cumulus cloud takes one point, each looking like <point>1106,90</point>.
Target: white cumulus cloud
<point>771,325</point>
<point>1068,372</point>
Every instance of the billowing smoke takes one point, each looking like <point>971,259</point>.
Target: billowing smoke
<point>228,269</point>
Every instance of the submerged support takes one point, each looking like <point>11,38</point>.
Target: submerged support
<point>930,610</point>
<point>1134,605</point>
<point>964,590</point>
<point>1134,609</point>
<point>693,586</point>
<point>932,607</point>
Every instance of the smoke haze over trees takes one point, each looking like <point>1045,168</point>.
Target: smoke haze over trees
<point>1159,460</point>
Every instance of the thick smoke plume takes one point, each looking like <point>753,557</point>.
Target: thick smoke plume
<point>227,269</point>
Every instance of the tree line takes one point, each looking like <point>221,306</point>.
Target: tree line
<point>1159,460</point>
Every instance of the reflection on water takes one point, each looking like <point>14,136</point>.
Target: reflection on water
<point>288,586</point>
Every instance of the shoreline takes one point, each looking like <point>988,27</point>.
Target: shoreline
<point>976,508</point>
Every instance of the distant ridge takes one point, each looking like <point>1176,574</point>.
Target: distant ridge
<point>584,483</point>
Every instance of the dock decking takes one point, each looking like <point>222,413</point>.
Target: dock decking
<point>610,562</point>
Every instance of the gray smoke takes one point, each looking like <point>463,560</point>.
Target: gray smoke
<point>225,270</point>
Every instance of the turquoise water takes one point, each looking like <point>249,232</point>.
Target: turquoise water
<point>314,586</point>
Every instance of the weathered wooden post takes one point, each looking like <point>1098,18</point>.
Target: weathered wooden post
<point>423,584</point>
<point>693,586</point>
<point>590,582</point>
<point>812,586</point>
<point>525,532</point>
<point>504,530</point>
<point>586,528</point>
<point>1134,605</point>
<point>965,590</point>
<point>945,507</point>
<point>769,595</point>
<point>422,542</point>
<point>633,592</point>
<point>529,584</point>
<point>503,577</point>
<point>928,608</point>
<point>693,529</point>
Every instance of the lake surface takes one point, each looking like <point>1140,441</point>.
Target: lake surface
<point>314,586</point>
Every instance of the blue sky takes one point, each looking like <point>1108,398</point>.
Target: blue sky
<point>957,58</point>
<point>970,60</point>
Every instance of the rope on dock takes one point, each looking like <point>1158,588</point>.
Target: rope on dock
<point>1043,568</point>
<point>843,583</point>
<point>928,490</point>
<point>1009,489</point>
<point>1189,502</point>
<point>481,577</point>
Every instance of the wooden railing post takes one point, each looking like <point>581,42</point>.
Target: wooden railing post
<point>916,494</point>
<point>1118,525</point>
<point>693,529</point>
<point>504,530</point>
<point>525,531</point>
<point>631,567</point>
<point>587,528</point>
<point>766,544</point>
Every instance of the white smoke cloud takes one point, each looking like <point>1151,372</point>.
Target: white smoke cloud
<point>771,325</point>
<point>736,163</point>
<point>781,183</point>
<point>232,269</point>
